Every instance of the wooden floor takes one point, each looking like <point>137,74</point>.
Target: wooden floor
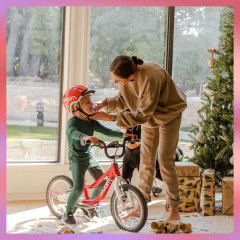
<point>35,217</point>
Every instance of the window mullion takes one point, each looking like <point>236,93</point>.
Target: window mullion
<point>170,36</point>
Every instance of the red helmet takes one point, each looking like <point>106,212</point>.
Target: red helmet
<point>74,94</point>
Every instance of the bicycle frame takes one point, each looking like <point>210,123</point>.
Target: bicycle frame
<point>110,174</point>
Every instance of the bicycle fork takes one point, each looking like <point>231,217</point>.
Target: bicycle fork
<point>117,186</point>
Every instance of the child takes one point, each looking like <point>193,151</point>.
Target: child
<point>77,100</point>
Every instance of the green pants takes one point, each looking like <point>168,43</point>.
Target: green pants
<point>78,175</point>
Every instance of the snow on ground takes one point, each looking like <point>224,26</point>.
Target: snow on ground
<point>40,220</point>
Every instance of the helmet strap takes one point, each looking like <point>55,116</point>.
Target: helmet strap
<point>79,109</point>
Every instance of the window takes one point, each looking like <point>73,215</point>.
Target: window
<point>196,29</point>
<point>34,51</point>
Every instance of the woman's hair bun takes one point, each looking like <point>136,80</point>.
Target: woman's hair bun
<point>137,60</point>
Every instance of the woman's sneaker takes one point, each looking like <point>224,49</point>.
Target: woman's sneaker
<point>69,218</point>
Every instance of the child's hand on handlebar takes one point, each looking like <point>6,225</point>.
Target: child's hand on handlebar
<point>93,140</point>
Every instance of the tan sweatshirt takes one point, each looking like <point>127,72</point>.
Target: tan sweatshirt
<point>153,99</point>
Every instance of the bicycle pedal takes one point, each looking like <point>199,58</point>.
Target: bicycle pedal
<point>156,190</point>
<point>90,213</point>
<point>87,206</point>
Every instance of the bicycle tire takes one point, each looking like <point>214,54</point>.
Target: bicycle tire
<point>143,206</point>
<point>49,196</point>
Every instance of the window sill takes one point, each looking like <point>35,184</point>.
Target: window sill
<point>55,164</point>
<point>38,167</point>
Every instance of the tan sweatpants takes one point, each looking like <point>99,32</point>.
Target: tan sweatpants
<point>162,140</point>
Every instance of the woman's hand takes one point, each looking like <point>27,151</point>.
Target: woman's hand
<point>98,106</point>
<point>101,116</point>
<point>133,136</point>
<point>93,140</point>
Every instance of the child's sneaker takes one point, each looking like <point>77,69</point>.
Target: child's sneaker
<point>69,218</point>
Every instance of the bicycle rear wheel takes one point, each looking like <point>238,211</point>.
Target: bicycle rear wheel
<point>57,194</point>
<point>130,197</point>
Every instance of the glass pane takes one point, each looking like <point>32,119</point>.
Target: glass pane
<point>138,31</point>
<point>34,45</point>
<point>196,30</point>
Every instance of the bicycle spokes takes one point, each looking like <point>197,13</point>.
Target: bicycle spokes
<point>129,209</point>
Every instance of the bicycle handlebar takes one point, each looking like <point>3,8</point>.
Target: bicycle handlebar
<point>115,144</point>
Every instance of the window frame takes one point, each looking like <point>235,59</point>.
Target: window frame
<point>170,40</point>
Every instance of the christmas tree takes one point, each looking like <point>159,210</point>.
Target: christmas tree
<point>213,137</point>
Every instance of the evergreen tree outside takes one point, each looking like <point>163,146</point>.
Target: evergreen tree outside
<point>213,137</point>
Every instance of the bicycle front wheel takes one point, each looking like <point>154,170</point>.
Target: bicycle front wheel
<point>124,205</point>
<point>57,194</point>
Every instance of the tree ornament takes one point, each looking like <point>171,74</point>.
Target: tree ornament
<point>231,160</point>
<point>212,99</point>
<point>202,123</point>
<point>223,138</point>
<point>211,61</point>
<point>205,86</point>
<point>208,91</point>
<point>199,137</point>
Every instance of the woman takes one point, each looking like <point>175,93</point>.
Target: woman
<point>157,104</point>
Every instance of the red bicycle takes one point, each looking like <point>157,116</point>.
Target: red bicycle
<point>124,199</point>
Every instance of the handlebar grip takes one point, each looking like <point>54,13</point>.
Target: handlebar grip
<point>101,144</point>
<point>85,142</point>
